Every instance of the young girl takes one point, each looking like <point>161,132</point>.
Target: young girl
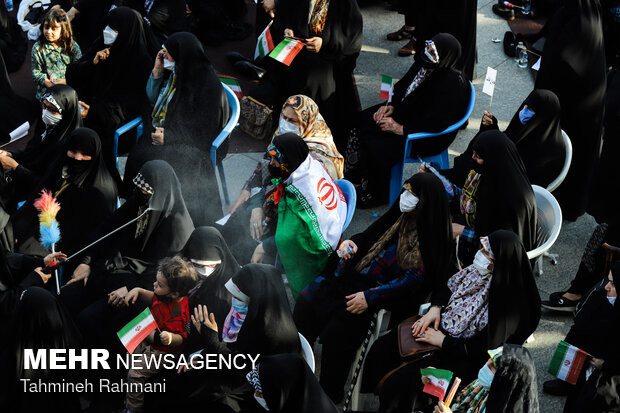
<point>54,50</point>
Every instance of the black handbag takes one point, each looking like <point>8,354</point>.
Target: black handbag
<point>36,12</point>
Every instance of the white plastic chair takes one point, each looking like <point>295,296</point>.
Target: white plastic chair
<point>548,226</point>
<point>307,352</point>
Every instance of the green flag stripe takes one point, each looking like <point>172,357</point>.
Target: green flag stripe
<point>439,373</point>
<point>558,358</point>
<point>144,314</point>
<point>280,47</point>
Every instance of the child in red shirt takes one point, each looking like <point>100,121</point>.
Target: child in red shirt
<point>168,303</point>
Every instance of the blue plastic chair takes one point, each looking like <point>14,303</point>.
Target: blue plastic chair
<point>348,190</point>
<point>235,110</point>
<point>136,123</point>
<point>439,161</point>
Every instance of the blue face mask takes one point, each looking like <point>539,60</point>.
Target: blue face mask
<point>525,115</point>
<point>485,377</point>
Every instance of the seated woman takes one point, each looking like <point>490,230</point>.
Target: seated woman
<point>299,214</point>
<point>492,191</point>
<point>300,115</point>
<point>111,76</point>
<point>536,131</point>
<point>506,383</point>
<point>430,97</point>
<point>190,110</point>
<point>399,258</point>
<point>492,302</point>
<point>61,116</point>
<point>259,323</point>
<point>323,70</point>
<point>85,190</point>
<point>285,384</point>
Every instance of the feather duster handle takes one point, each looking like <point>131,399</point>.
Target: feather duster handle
<point>48,208</point>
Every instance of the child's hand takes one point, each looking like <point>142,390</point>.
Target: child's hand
<point>132,296</point>
<point>165,338</point>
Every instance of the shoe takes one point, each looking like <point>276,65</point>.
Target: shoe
<point>557,387</point>
<point>234,57</point>
<point>408,49</point>
<point>558,303</point>
<point>400,34</point>
<point>504,12</point>
<point>249,70</point>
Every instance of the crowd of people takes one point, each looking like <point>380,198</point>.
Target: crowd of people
<point>146,237</point>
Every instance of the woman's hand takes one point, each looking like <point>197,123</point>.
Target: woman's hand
<point>258,255</point>
<point>441,408</point>
<point>158,69</point>
<point>288,33</point>
<point>597,363</point>
<point>457,229</point>
<point>157,137</point>
<point>256,223</point>
<point>243,196</point>
<point>383,112</point>
<point>432,317</point>
<point>86,107</point>
<point>8,163</point>
<point>57,256</point>
<point>201,317</point>
<point>270,7</point>
<point>343,248</point>
<point>313,44</point>
<point>117,297</point>
<point>101,55</point>
<point>388,124</point>
<point>432,337</point>
<point>487,118</point>
<point>82,272</point>
<point>44,277</point>
<point>357,303</point>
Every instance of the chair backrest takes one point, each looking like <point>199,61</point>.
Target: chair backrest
<point>348,190</point>
<point>549,221</point>
<point>449,129</point>
<point>568,149</point>
<point>233,104</point>
<point>307,352</point>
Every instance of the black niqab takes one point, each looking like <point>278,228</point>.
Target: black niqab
<point>268,327</point>
<point>207,244</point>
<point>514,386</point>
<point>293,148</point>
<point>514,302</point>
<point>505,199</point>
<point>289,386</point>
<point>539,141</point>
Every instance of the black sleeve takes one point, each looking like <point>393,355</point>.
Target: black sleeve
<point>212,343</point>
<point>342,35</point>
<point>462,348</point>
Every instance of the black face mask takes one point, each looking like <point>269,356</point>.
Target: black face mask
<point>275,172</point>
<point>477,167</point>
<point>76,168</point>
<point>141,198</point>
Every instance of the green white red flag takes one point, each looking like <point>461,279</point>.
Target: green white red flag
<point>387,84</point>
<point>137,330</point>
<point>286,50</point>
<point>567,362</point>
<point>264,44</point>
<point>437,382</point>
<point>233,85</point>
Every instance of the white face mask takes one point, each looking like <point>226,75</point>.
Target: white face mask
<point>168,65</point>
<point>204,271</point>
<point>481,262</point>
<point>408,201</point>
<point>109,36</point>
<point>49,118</point>
<point>612,300</point>
<point>288,127</point>
<point>261,401</point>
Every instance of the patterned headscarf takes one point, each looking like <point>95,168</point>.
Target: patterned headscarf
<point>467,312</point>
<point>316,134</point>
<point>318,17</point>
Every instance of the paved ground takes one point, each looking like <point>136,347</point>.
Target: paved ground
<point>513,85</point>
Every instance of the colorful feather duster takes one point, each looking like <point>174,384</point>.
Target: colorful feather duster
<point>48,208</point>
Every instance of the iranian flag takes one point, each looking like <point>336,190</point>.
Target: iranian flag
<point>286,50</point>
<point>137,330</point>
<point>233,85</point>
<point>567,362</point>
<point>264,44</point>
<point>438,381</point>
<point>311,215</point>
<point>387,83</point>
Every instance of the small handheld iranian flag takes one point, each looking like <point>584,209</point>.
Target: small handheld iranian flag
<point>264,44</point>
<point>567,362</point>
<point>387,83</point>
<point>438,381</point>
<point>286,50</point>
<point>233,85</point>
<point>137,330</point>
